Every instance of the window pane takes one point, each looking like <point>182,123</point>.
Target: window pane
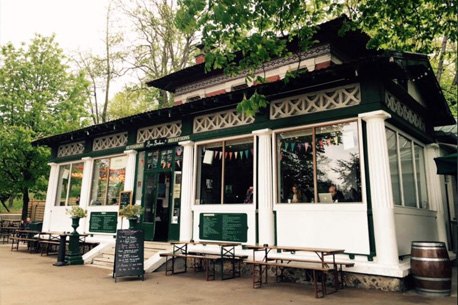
<point>295,153</point>
<point>394,170</point>
<point>238,171</point>
<point>140,171</point>
<point>75,183</point>
<point>99,182</point>
<point>408,182</point>
<point>421,176</point>
<point>117,177</point>
<point>210,159</point>
<point>64,172</point>
<point>338,166</point>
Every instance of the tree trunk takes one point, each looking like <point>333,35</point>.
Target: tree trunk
<point>4,205</point>
<point>10,201</point>
<point>25,203</point>
<point>440,66</point>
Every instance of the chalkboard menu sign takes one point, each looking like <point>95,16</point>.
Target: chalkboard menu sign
<point>223,227</point>
<point>125,199</point>
<point>103,222</point>
<point>129,254</point>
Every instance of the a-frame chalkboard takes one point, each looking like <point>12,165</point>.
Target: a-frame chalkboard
<point>129,254</point>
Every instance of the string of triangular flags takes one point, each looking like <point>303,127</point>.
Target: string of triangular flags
<point>307,145</point>
<point>241,154</point>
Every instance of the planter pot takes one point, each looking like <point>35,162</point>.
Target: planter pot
<point>132,223</point>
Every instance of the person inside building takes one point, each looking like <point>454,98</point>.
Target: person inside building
<point>337,196</point>
<point>249,195</point>
<point>296,195</point>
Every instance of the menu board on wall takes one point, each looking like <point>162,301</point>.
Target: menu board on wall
<point>129,254</point>
<point>223,227</point>
<point>103,222</point>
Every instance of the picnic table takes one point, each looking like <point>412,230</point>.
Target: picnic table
<point>325,263</point>
<point>26,236</point>
<point>207,257</point>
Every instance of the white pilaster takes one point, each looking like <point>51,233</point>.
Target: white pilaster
<point>130,170</point>
<point>435,198</point>
<point>186,191</point>
<point>50,195</point>
<point>86,184</point>
<point>380,187</point>
<point>265,187</point>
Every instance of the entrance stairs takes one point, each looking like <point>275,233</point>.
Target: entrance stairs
<point>105,259</point>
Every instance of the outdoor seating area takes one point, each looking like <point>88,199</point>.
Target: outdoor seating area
<point>205,259</point>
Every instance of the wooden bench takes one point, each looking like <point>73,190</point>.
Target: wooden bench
<point>314,267</point>
<point>339,264</point>
<point>32,243</point>
<point>200,259</point>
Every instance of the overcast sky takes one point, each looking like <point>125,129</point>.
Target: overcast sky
<point>78,24</point>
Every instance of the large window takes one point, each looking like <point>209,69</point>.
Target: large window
<point>225,172</point>
<point>69,184</point>
<point>108,180</point>
<point>319,164</point>
<point>407,170</point>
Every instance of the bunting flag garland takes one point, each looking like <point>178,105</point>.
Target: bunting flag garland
<point>225,155</point>
<point>246,153</point>
<point>163,164</point>
<point>241,154</point>
<point>292,146</point>
<point>286,146</point>
<point>236,154</point>
<point>220,154</point>
<point>230,155</point>
<point>281,156</point>
<point>179,150</point>
<point>321,143</point>
<point>336,140</point>
<point>252,151</point>
<point>178,163</point>
<point>329,142</point>
<point>216,154</point>
<point>306,144</point>
<point>168,164</point>
<point>299,146</point>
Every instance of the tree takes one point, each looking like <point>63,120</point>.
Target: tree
<point>259,28</point>
<point>130,101</point>
<point>158,48</point>
<point>102,70</point>
<point>38,97</point>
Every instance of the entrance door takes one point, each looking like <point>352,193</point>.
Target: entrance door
<point>156,205</point>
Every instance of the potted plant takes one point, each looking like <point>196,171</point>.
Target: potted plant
<point>76,212</point>
<point>131,212</point>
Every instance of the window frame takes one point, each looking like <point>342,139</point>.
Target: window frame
<point>196,202</point>
<point>276,158</point>
<point>108,181</point>
<point>68,185</point>
<point>413,142</point>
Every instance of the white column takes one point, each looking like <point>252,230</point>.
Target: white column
<point>435,198</point>
<point>186,191</point>
<point>380,187</point>
<point>50,195</point>
<point>85,196</point>
<point>130,170</point>
<point>265,187</point>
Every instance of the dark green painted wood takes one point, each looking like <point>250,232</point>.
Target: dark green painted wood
<point>223,227</point>
<point>103,222</point>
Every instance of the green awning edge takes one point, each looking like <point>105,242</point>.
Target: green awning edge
<point>446,165</point>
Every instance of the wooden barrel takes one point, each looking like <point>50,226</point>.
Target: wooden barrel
<point>431,268</point>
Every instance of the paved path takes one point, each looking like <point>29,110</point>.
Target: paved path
<point>27,279</point>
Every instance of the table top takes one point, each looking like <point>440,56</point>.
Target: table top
<point>216,243</point>
<point>28,231</point>
<point>295,249</point>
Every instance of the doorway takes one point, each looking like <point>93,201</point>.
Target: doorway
<point>156,205</point>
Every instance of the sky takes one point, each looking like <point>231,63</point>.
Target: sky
<point>78,24</point>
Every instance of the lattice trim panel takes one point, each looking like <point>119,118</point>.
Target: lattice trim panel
<point>403,111</point>
<point>172,129</point>
<point>314,52</point>
<point>70,149</point>
<point>220,120</point>
<point>324,100</point>
<point>111,141</point>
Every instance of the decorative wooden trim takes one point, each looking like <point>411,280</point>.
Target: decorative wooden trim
<point>220,120</point>
<point>172,129</point>
<point>70,149</point>
<point>110,141</point>
<point>403,111</point>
